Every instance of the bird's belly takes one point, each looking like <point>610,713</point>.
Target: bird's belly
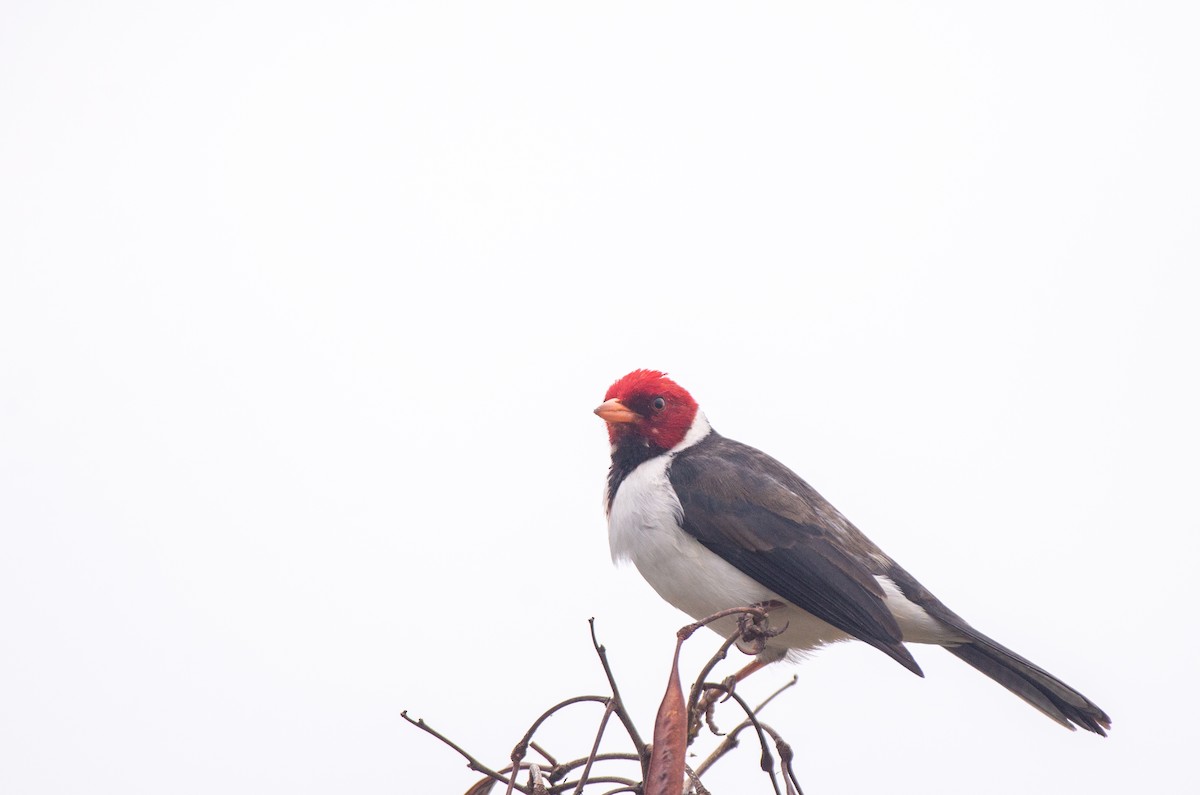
<point>644,528</point>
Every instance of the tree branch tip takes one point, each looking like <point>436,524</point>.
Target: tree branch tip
<point>752,626</point>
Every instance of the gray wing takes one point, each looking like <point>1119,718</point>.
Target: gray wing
<point>763,519</point>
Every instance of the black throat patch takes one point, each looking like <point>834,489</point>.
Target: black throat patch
<point>629,454</point>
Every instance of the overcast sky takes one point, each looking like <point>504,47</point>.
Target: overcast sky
<point>305,307</point>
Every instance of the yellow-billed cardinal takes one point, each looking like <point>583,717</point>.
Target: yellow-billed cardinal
<point>712,523</point>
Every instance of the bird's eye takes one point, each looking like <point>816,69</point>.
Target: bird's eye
<point>659,404</point>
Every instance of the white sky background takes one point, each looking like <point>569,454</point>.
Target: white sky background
<point>304,309</point>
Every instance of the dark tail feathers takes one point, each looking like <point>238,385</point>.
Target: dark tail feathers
<point>1048,694</point>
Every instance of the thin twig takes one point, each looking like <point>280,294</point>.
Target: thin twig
<point>785,759</point>
<point>553,781</point>
<point>727,744</point>
<point>622,713</point>
<point>587,782</point>
<point>546,755</point>
<point>562,769</point>
<point>730,742</point>
<point>518,752</point>
<point>789,683</point>
<point>696,786</point>
<point>766,761</point>
<point>754,610</point>
<point>722,651</point>
<point>528,738</point>
<point>472,762</point>
<point>698,686</point>
<point>587,768</point>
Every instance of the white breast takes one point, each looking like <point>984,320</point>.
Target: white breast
<point>644,527</point>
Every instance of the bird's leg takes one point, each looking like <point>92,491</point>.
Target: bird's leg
<point>728,684</point>
<point>754,665</point>
<point>753,634</point>
<point>708,701</point>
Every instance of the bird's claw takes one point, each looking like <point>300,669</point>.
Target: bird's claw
<point>754,631</point>
<point>710,719</point>
<point>707,704</point>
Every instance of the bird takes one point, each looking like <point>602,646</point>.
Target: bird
<point>713,524</point>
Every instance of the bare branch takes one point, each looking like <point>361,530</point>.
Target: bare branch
<point>694,777</point>
<point>472,762</point>
<point>755,610</point>
<point>785,758</point>
<point>587,768</point>
<point>528,738</point>
<point>536,783</point>
<point>789,683</point>
<point>518,752</point>
<point>622,713</point>
<point>698,688</point>
<point>546,755</point>
<point>751,637</point>
<point>751,632</point>
<point>562,769</point>
<point>766,761</point>
<point>627,785</point>
<point>727,744</point>
<point>730,742</point>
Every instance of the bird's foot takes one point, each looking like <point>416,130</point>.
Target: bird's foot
<point>754,631</point>
<point>708,702</point>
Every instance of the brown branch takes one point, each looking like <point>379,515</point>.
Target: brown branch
<point>626,783</point>
<point>562,769</point>
<point>472,762</point>
<point>727,744</point>
<point>785,758</point>
<point>587,768</point>
<point>789,683</point>
<point>750,637</point>
<point>535,780</point>
<point>518,752</point>
<point>698,686</point>
<point>545,754</point>
<point>759,611</point>
<point>696,785</point>
<point>766,761</point>
<point>754,610</point>
<point>528,738</point>
<point>622,713</point>
<point>730,742</point>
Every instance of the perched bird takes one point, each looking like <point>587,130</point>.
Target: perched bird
<point>712,524</point>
